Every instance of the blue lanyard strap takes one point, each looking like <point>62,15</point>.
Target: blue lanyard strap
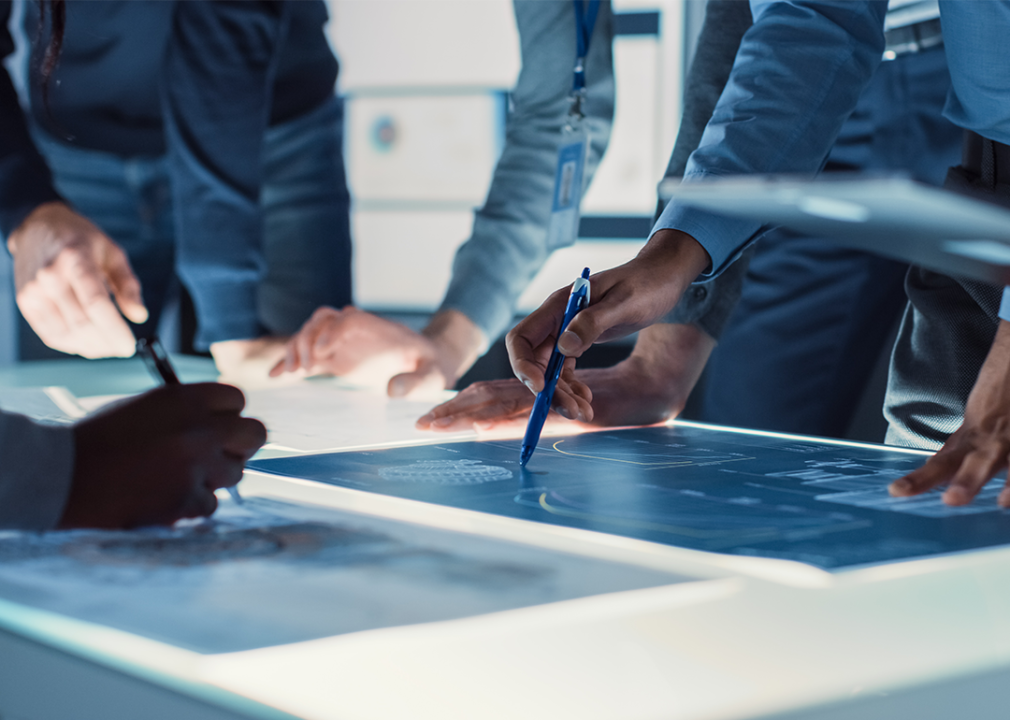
<point>585,21</point>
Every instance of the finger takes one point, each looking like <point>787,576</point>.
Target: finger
<point>977,469</point>
<point>201,502</point>
<point>426,378</point>
<point>214,397</point>
<point>938,469</point>
<point>87,284</point>
<point>575,402</point>
<point>307,338</point>
<point>45,319</point>
<point>597,323</point>
<point>242,437</point>
<point>531,335</point>
<point>124,284</point>
<point>279,367</point>
<point>1004,497</point>
<point>58,290</point>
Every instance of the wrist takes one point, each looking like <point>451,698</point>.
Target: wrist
<point>41,214</point>
<point>678,253</point>
<point>458,342</point>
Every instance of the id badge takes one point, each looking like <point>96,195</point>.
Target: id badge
<point>568,179</point>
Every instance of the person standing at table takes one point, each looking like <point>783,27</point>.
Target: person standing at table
<point>949,386</point>
<point>196,140</point>
<point>150,460</point>
<point>510,241</point>
<point>795,352</point>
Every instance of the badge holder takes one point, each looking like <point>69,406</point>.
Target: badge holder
<point>569,177</point>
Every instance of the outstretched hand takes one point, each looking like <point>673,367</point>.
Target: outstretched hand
<point>506,404</point>
<point>160,457</point>
<point>355,342</point>
<point>623,300</point>
<point>650,386</point>
<point>980,449</point>
<point>66,274</point>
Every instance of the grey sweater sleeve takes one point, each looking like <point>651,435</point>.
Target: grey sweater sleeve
<point>509,240</point>
<point>708,305</point>
<point>36,469</point>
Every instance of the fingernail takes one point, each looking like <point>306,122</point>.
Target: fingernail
<point>956,496</point>
<point>529,384</point>
<point>424,420</point>
<point>900,486</point>
<point>569,342</point>
<point>397,388</point>
<point>443,421</point>
<point>563,413</point>
<point>483,425</point>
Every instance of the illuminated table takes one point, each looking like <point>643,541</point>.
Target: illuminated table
<point>727,637</point>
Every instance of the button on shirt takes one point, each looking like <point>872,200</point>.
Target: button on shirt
<point>799,72</point>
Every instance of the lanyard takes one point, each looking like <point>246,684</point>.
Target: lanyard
<point>585,21</point>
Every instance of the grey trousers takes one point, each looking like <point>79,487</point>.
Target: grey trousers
<point>949,324</point>
<point>945,334</point>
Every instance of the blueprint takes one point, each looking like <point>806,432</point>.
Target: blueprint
<point>693,486</point>
<point>271,572</point>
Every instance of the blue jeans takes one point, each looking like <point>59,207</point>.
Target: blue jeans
<point>812,319</point>
<point>306,219</point>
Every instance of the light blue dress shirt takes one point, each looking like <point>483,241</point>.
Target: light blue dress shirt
<point>799,72</point>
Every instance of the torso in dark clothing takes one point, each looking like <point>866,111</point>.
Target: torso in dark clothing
<point>104,93</point>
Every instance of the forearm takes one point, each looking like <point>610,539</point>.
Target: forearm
<point>509,241</point>
<point>25,180</point>
<point>797,76</point>
<point>36,466</point>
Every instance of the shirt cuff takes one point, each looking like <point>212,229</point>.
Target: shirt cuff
<point>478,296</point>
<point>1004,306</point>
<point>723,237</point>
<point>36,472</point>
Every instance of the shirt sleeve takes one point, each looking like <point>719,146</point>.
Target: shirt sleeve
<point>216,92</point>
<point>708,305</point>
<point>25,181</point>
<point>36,469</point>
<point>508,244</point>
<point>798,74</point>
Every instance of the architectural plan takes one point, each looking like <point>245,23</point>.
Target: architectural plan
<point>271,572</point>
<point>824,503</point>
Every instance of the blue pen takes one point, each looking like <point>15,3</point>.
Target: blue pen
<point>542,405</point>
<point>153,353</point>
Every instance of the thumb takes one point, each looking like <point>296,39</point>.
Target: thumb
<point>426,379</point>
<point>124,285</point>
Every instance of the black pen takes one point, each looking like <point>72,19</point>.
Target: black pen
<point>154,355</point>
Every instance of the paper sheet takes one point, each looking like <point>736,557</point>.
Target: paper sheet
<point>327,414</point>
<point>271,572</point>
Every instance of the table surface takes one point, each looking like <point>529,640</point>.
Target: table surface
<point>748,638</point>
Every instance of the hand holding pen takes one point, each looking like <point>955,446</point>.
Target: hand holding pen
<point>577,300</point>
<point>156,358</point>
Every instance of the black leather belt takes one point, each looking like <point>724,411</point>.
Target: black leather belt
<point>912,38</point>
<point>988,159</point>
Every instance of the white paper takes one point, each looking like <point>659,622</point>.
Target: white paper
<point>317,415</point>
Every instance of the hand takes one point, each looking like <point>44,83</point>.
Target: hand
<point>64,271</point>
<point>160,457</point>
<point>650,386</point>
<point>980,448</point>
<point>350,341</point>
<point>248,360</point>
<point>506,404</point>
<point>623,300</point>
